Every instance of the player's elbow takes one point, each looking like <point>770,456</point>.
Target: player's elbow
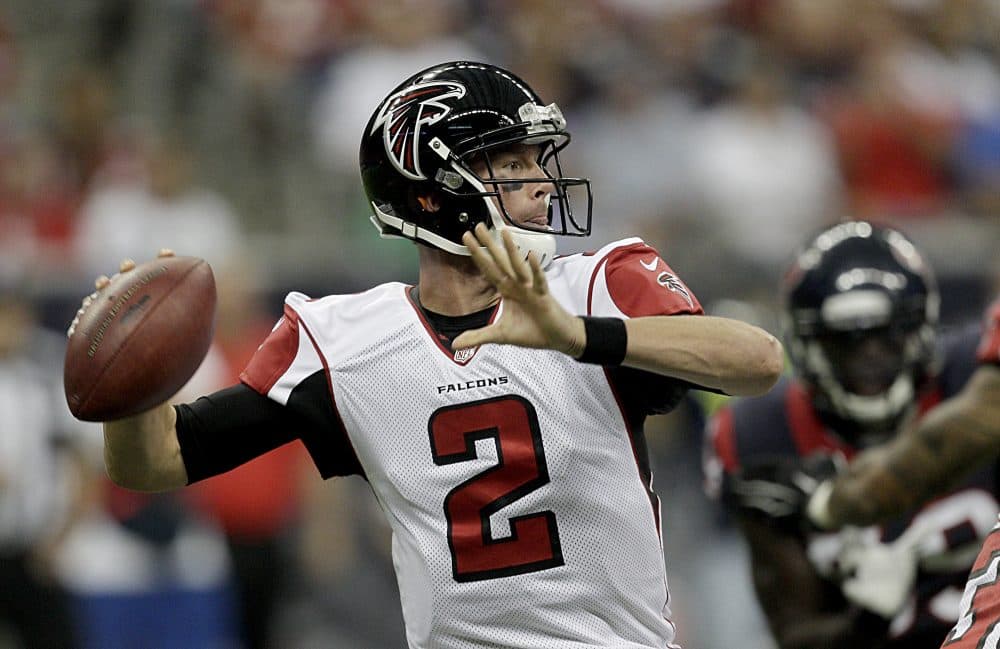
<point>772,362</point>
<point>765,363</point>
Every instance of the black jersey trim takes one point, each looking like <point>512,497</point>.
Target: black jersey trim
<point>640,449</point>
<point>431,322</point>
<point>324,435</point>
<point>320,408</point>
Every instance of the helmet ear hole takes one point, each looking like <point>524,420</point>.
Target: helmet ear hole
<point>429,202</point>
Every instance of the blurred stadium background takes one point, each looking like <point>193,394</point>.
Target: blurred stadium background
<point>722,131</point>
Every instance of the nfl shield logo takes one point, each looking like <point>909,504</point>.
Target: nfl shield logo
<point>465,355</point>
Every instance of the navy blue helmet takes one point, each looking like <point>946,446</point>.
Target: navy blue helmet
<point>860,309</point>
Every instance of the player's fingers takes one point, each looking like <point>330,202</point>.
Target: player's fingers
<point>483,261</point>
<point>521,270</point>
<point>75,322</point>
<point>101,282</point>
<point>496,251</point>
<point>165,252</point>
<point>126,265</point>
<point>474,338</point>
<point>539,283</point>
<point>84,305</point>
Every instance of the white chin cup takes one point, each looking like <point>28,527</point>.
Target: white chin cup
<point>542,244</point>
<point>866,410</point>
<point>875,409</point>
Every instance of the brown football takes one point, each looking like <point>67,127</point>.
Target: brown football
<point>141,339</point>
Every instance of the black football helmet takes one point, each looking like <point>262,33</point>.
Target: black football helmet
<point>859,319</point>
<point>425,136</point>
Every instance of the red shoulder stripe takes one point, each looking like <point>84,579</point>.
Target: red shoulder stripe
<point>275,355</point>
<point>642,284</point>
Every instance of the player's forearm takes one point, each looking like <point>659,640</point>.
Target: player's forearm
<point>948,443</point>
<point>720,353</point>
<point>142,452</point>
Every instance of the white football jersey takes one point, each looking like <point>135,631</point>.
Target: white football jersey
<point>516,487</point>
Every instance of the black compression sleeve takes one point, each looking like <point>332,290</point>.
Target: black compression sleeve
<point>223,430</point>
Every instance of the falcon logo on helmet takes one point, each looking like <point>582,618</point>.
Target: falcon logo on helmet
<point>404,114</point>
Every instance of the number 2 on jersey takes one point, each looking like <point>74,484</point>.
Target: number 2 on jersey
<point>533,544</point>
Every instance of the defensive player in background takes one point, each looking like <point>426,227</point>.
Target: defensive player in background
<point>860,310</point>
<point>496,408</point>
<point>953,440</point>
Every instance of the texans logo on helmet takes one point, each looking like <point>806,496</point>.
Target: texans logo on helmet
<point>404,113</point>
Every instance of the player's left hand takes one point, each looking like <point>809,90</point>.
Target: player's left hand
<point>531,317</point>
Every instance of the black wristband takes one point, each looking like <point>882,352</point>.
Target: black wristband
<point>607,341</point>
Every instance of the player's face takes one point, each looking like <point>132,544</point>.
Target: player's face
<point>525,203</point>
<point>866,363</point>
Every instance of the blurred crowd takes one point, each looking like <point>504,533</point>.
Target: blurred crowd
<point>724,132</point>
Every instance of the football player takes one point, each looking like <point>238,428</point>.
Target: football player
<point>953,440</point>
<point>860,309</point>
<point>496,407</point>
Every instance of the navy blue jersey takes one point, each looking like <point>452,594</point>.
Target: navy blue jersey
<point>944,531</point>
